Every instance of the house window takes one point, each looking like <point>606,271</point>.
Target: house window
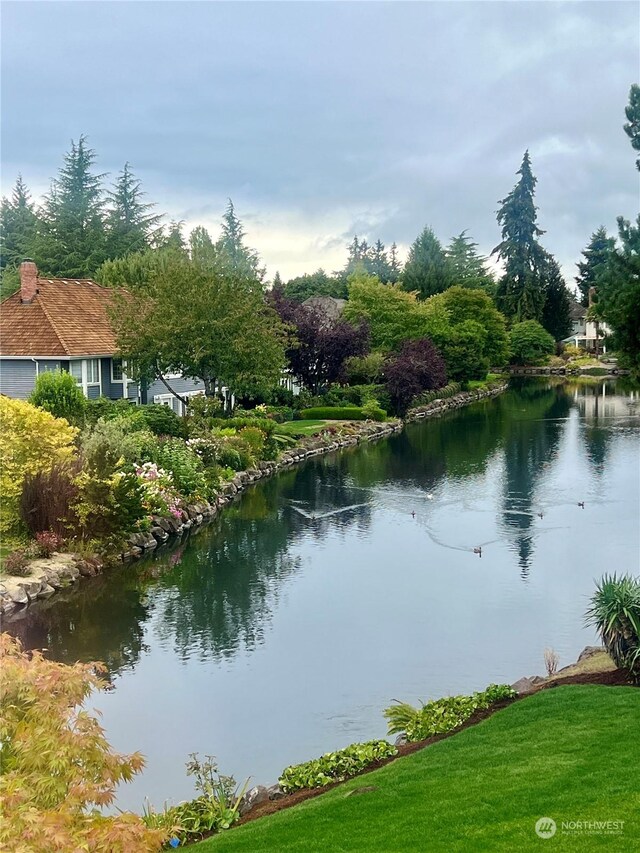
<point>117,367</point>
<point>93,371</point>
<point>75,368</point>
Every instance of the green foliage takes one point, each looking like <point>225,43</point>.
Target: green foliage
<point>32,441</point>
<point>556,313</point>
<point>111,443</point>
<point>56,391</point>
<point>632,125</point>
<point>174,456</point>
<point>57,765</point>
<point>315,284</point>
<point>220,330</point>
<point>335,766</point>
<point>107,508</point>
<point>18,229</point>
<point>364,369</point>
<point>334,413</point>
<point>615,613</point>
<point>162,420</point>
<point>530,343</point>
<point>442,715</point>
<point>463,350</point>
<point>427,270</point>
<point>520,292</point>
<point>130,226</point>
<point>467,266</point>
<point>449,390</point>
<point>596,256</point>
<point>373,412</point>
<point>16,563</point>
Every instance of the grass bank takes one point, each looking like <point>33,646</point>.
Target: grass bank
<point>570,753</point>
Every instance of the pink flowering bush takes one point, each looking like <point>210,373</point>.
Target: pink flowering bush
<point>160,496</point>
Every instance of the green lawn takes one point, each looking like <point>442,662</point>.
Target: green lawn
<point>571,754</point>
<point>308,427</point>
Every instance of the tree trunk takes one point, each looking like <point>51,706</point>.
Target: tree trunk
<point>183,400</point>
<point>209,386</point>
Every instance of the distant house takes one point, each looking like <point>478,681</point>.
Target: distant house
<point>328,306</point>
<point>63,324</point>
<point>585,333</point>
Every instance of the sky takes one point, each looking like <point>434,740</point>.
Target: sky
<point>321,120</point>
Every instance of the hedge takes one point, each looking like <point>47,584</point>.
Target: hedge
<point>341,413</point>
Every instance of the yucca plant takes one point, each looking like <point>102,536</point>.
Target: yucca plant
<point>615,613</point>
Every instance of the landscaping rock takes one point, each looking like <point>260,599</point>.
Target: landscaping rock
<point>275,792</point>
<point>159,534</point>
<point>18,596</point>
<point>46,591</point>
<point>401,739</point>
<point>523,686</point>
<point>254,796</point>
<point>32,588</point>
<point>590,651</point>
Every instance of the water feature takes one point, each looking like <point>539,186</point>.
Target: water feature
<point>283,629</point>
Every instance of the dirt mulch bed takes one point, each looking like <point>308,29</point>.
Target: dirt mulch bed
<point>613,678</point>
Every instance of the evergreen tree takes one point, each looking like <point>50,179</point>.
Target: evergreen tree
<point>379,263</point>
<point>395,266</point>
<point>520,292</point>
<point>556,314</point>
<point>619,292</point>
<point>18,230</point>
<point>467,266</point>
<point>632,127</point>
<point>427,269</point>
<point>73,239</point>
<point>596,257</point>
<point>130,225</point>
<point>202,249</point>
<point>175,238</point>
<point>277,282</point>
<point>234,254</point>
<point>317,283</point>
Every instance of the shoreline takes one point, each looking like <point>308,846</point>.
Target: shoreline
<point>61,570</point>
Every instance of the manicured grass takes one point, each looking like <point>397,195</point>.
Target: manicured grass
<point>570,753</point>
<point>308,427</point>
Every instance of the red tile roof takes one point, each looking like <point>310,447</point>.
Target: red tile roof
<point>67,317</point>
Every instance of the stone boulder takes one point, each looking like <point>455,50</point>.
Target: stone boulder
<point>254,796</point>
<point>524,686</point>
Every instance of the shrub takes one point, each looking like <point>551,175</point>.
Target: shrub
<point>111,443</point>
<point>32,441</point>
<point>160,494</point>
<point>569,351</point>
<point>162,420</point>
<point>107,508</point>
<point>449,390</point>
<point>615,613</point>
<point>418,367</point>
<point>442,715</point>
<point>57,392</point>
<point>335,766</point>
<point>186,469</point>
<point>530,343</point>
<point>47,498</point>
<point>57,765</point>
<point>16,563</point>
<point>372,411</point>
<point>365,369</point>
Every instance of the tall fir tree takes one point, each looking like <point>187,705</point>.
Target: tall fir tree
<point>234,253</point>
<point>277,283</point>
<point>556,313</point>
<point>379,262</point>
<point>467,265</point>
<point>18,231</point>
<point>596,256</point>
<point>632,125</point>
<point>427,270</point>
<point>174,238</point>
<point>395,265</point>
<point>72,243</point>
<point>130,224</point>
<point>520,293</point>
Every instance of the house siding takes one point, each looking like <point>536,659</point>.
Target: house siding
<point>18,376</point>
<point>180,386</point>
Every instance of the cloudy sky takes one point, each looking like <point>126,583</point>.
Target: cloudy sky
<point>325,119</point>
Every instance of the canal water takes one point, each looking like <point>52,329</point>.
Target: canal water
<point>283,629</point>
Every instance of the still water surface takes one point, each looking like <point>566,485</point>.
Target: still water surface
<point>283,629</point>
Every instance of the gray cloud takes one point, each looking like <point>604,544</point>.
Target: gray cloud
<point>321,119</point>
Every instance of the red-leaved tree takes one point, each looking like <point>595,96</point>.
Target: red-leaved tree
<point>418,367</point>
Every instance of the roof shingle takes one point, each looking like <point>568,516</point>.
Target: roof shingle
<point>67,317</point>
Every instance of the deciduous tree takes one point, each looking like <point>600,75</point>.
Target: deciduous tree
<point>417,367</point>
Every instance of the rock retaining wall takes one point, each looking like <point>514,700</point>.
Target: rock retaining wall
<point>61,570</point>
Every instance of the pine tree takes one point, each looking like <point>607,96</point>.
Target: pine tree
<point>556,314</point>
<point>202,249</point>
<point>521,290</point>
<point>130,226</point>
<point>632,127</point>
<point>277,282</point>
<point>175,238</point>
<point>596,257</point>
<point>18,230</point>
<point>73,240</point>
<point>427,269</point>
<point>395,266</point>
<point>467,266</point>
<point>379,263</point>
<point>232,249</point>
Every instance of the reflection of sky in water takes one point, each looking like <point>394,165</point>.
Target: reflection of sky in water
<point>284,629</point>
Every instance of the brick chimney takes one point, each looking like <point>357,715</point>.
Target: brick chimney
<point>28,280</point>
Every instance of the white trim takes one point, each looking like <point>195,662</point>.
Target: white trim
<point>122,364</point>
<point>65,357</point>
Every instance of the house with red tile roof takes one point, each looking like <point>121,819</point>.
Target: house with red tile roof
<point>63,324</point>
